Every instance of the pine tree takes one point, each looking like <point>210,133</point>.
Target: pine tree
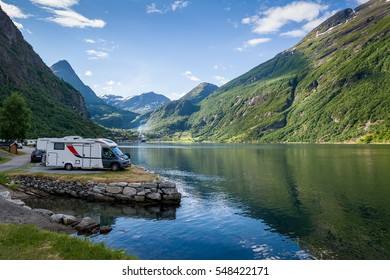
<point>14,118</point>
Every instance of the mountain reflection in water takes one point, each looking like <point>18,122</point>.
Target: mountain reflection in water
<point>256,202</point>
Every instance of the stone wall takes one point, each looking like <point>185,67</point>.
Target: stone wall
<point>145,193</point>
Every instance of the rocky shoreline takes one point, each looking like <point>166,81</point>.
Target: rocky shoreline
<point>15,211</point>
<point>122,192</point>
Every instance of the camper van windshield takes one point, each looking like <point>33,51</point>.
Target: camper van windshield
<point>117,151</point>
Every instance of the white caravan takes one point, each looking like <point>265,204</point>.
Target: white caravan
<point>30,142</point>
<point>81,153</point>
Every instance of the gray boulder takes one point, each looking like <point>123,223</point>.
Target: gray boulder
<point>99,189</point>
<point>5,194</point>
<point>87,225</point>
<point>153,196</point>
<point>129,191</point>
<point>114,189</point>
<point>44,211</point>
<point>167,184</point>
<point>17,202</point>
<point>57,218</point>
<point>70,220</point>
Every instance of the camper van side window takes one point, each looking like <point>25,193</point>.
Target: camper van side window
<point>59,146</point>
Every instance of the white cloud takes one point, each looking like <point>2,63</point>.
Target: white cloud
<point>90,41</point>
<point>13,11</point>
<point>246,20</point>
<point>102,48</point>
<point>179,5</point>
<point>362,1</point>
<point>65,16</point>
<point>110,83</point>
<point>222,80</point>
<point>273,19</point>
<point>63,4</point>
<point>294,33</point>
<point>152,9</point>
<point>70,18</point>
<point>176,5</point>
<point>308,26</point>
<point>190,76</point>
<point>93,54</point>
<point>88,73</point>
<point>253,43</point>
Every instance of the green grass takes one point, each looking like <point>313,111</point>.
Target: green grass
<point>30,243</point>
<point>3,160</point>
<point>4,179</point>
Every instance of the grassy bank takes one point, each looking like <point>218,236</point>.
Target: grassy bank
<point>27,242</point>
<point>134,174</point>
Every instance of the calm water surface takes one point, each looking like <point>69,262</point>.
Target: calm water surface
<point>255,202</point>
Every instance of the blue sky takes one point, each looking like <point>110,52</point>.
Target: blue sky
<point>127,47</point>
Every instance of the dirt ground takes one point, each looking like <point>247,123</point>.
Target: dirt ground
<point>11,213</point>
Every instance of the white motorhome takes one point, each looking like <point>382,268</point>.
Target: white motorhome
<point>42,142</point>
<point>81,153</point>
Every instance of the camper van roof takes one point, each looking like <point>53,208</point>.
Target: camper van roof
<point>65,140</point>
<point>73,137</point>
<point>107,142</point>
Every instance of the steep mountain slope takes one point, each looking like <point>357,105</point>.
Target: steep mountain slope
<point>140,104</point>
<point>64,70</point>
<point>199,93</point>
<point>100,112</point>
<point>174,116</point>
<point>57,108</point>
<point>332,86</point>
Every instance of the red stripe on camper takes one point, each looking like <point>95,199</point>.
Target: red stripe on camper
<point>73,150</point>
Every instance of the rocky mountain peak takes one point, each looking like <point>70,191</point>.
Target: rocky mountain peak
<point>335,20</point>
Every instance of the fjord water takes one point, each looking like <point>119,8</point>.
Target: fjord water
<point>258,202</point>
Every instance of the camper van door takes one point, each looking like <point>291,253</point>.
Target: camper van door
<point>87,156</point>
<point>51,159</point>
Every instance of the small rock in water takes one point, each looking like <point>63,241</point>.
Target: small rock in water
<point>87,225</point>
<point>105,229</point>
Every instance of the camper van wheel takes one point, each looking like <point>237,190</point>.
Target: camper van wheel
<point>68,167</point>
<point>114,167</point>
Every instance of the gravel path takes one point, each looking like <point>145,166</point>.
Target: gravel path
<point>16,161</point>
